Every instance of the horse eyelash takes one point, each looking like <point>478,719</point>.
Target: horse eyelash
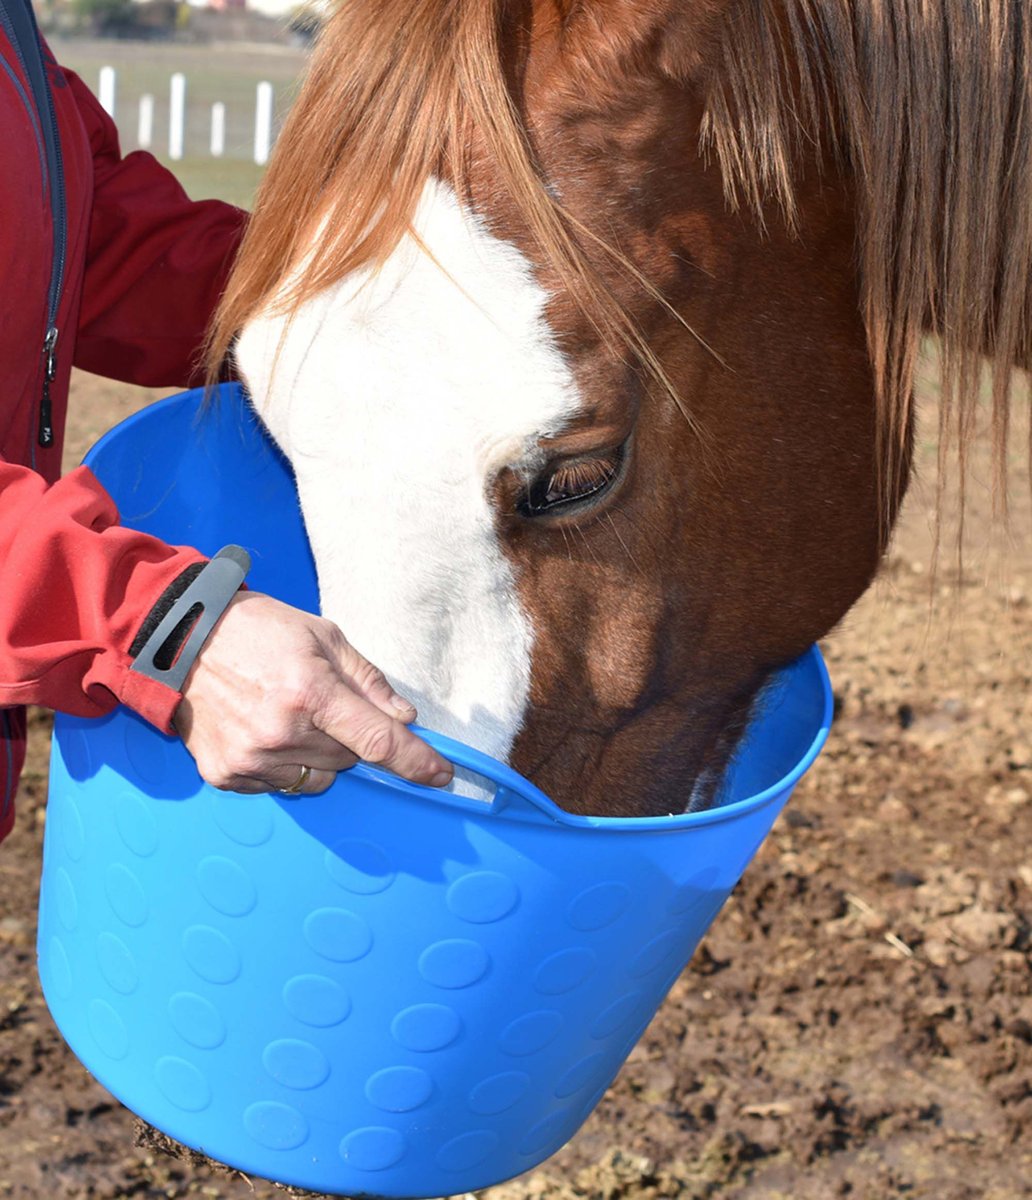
<point>569,476</point>
<point>544,491</point>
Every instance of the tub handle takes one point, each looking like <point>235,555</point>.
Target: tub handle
<point>513,793</point>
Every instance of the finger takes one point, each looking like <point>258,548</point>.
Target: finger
<point>273,770</point>
<point>286,778</point>
<point>370,682</point>
<point>251,785</point>
<point>244,784</point>
<point>377,738</point>
<point>317,749</point>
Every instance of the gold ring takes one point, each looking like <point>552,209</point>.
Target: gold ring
<point>299,783</point>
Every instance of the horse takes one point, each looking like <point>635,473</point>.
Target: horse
<point>589,329</point>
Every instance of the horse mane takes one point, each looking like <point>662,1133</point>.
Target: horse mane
<point>383,102</point>
<point>927,104</point>
<point>392,90</point>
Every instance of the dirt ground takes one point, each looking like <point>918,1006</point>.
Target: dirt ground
<point>859,1021</point>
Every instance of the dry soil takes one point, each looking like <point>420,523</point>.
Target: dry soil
<point>859,1021</point>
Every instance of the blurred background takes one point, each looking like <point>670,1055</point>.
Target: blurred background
<point>202,84</point>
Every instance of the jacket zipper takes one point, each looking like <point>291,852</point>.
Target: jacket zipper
<point>19,23</point>
<point>5,737</point>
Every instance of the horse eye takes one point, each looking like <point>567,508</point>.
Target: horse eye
<point>569,483</point>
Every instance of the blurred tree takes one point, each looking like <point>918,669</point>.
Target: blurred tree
<point>126,19</point>
<point>110,18</point>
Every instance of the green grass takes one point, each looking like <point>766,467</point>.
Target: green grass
<point>229,179</point>
<point>226,72</point>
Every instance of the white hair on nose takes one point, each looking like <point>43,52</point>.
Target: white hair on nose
<point>398,394</point>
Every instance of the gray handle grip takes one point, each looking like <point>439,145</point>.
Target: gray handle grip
<point>211,591</point>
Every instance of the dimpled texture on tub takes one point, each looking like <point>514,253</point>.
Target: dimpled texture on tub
<point>376,991</point>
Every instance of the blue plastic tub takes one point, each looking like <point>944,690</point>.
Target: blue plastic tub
<point>383,990</point>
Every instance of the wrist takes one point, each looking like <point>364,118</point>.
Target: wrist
<point>180,623</point>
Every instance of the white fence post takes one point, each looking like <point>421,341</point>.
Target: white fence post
<point>176,116</point>
<point>218,129</point>
<point>145,127</point>
<point>106,91</point>
<point>263,124</point>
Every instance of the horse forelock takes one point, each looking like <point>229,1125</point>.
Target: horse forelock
<point>928,106</point>
<point>389,103</point>
<point>381,109</point>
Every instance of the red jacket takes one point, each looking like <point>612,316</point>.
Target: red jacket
<point>144,267</point>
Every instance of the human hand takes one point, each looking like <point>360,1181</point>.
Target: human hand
<point>276,689</point>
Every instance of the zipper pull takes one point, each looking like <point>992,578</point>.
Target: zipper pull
<point>46,418</point>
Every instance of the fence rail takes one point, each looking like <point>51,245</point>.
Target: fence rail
<point>183,131</point>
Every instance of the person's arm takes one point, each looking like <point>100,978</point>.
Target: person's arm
<point>156,265</point>
<point>75,586</point>
<point>274,688</point>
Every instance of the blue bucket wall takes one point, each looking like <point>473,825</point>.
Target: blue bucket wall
<point>379,990</point>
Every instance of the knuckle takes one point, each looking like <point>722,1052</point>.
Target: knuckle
<point>330,628</point>
<point>291,695</point>
<point>247,764</point>
<point>272,730</point>
<point>368,676</point>
<point>303,694</point>
<point>218,775</point>
<point>376,743</point>
<point>327,633</point>
<point>296,701</point>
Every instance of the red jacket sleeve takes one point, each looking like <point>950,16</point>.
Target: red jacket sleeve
<point>156,265</point>
<point>76,588</point>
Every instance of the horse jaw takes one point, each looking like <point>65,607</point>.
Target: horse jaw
<point>397,397</point>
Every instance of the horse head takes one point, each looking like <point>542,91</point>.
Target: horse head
<point>586,449</point>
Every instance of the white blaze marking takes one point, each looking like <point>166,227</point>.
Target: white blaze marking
<point>397,398</point>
